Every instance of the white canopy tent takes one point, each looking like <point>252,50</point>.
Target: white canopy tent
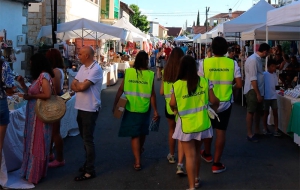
<point>255,16</point>
<point>288,15</point>
<point>275,33</point>
<point>135,33</point>
<point>83,28</point>
<point>182,39</point>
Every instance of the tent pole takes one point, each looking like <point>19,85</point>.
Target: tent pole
<point>267,40</point>
<point>82,37</point>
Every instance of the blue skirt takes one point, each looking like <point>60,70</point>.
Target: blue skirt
<point>134,124</point>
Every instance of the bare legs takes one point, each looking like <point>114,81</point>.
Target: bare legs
<point>219,145</point>
<point>172,142</point>
<point>2,135</point>
<point>265,119</point>
<point>158,73</point>
<point>249,119</point>
<point>192,156</point>
<point>137,144</point>
<point>58,141</point>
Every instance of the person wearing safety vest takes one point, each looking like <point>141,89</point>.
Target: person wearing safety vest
<point>138,87</point>
<point>169,77</point>
<point>222,72</point>
<point>189,102</point>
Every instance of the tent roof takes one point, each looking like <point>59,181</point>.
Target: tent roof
<point>83,27</point>
<point>255,16</point>
<point>182,39</point>
<point>288,15</point>
<point>135,32</point>
<point>275,33</point>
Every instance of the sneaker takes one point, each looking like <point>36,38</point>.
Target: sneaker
<point>56,164</point>
<point>206,157</point>
<point>266,132</point>
<point>171,159</point>
<point>276,134</point>
<point>252,139</point>
<point>197,182</point>
<point>218,168</point>
<point>180,170</point>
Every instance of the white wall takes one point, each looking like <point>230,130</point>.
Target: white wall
<point>154,29</point>
<point>12,21</point>
<point>82,9</point>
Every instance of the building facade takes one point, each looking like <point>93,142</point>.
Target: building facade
<point>162,32</point>
<point>110,11</point>
<point>13,25</point>
<point>125,11</point>
<point>154,28</point>
<point>39,14</point>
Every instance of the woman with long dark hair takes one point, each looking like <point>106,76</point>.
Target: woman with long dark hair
<point>169,77</point>
<point>138,87</point>
<point>37,135</point>
<point>189,101</point>
<point>56,61</point>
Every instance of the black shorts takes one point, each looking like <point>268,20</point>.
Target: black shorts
<point>169,116</point>
<point>224,120</point>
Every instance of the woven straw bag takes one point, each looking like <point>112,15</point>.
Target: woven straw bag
<point>50,110</point>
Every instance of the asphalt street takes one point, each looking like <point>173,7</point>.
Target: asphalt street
<point>272,163</point>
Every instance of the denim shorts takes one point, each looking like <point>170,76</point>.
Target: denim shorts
<point>4,112</point>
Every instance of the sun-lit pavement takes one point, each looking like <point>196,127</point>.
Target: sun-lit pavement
<point>272,163</point>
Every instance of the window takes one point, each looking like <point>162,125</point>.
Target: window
<point>116,9</point>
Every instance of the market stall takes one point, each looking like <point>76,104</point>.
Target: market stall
<point>287,16</point>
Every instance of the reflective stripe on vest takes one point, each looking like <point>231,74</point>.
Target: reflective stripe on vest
<point>138,89</point>
<point>167,93</point>
<point>138,94</point>
<point>221,82</point>
<point>220,71</point>
<point>192,109</point>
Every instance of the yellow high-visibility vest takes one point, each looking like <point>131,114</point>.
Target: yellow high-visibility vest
<point>167,93</point>
<point>220,72</point>
<point>138,89</point>
<point>192,109</point>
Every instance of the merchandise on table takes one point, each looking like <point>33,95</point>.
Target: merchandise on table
<point>294,93</point>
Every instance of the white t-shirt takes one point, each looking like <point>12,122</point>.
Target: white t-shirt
<point>271,80</point>
<point>237,73</point>
<point>90,99</point>
<point>254,71</point>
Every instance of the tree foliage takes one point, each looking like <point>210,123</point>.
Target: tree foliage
<point>138,20</point>
<point>198,19</point>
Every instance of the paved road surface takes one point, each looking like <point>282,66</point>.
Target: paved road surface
<point>273,163</point>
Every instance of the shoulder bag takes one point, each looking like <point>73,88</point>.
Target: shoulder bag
<point>50,110</point>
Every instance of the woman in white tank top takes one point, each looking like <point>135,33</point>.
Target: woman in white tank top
<point>56,60</point>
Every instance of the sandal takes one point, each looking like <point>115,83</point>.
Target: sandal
<point>83,176</point>
<point>137,167</point>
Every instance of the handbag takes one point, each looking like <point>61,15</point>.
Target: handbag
<point>50,110</point>
<point>158,61</point>
<point>154,125</point>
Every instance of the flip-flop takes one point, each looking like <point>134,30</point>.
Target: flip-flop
<point>137,167</point>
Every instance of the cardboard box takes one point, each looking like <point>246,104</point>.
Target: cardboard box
<point>120,107</point>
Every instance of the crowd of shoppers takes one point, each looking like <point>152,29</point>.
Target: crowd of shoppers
<point>192,92</point>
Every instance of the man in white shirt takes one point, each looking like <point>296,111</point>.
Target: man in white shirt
<point>254,89</point>
<point>87,85</point>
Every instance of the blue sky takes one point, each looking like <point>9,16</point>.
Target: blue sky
<point>174,13</point>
